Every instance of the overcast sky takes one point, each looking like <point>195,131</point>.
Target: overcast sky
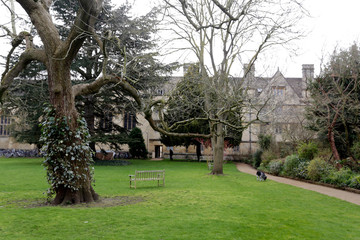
<point>333,23</point>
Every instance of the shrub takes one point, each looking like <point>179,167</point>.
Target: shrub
<point>285,149</point>
<point>264,141</point>
<point>307,150</point>
<point>301,171</point>
<point>355,149</point>
<point>341,178</point>
<point>136,144</point>
<point>267,156</point>
<point>275,167</point>
<point>355,182</point>
<point>319,169</point>
<point>257,158</point>
<point>290,165</point>
<point>263,168</point>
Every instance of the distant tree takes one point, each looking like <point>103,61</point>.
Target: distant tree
<point>136,144</point>
<point>335,101</point>
<point>218,33</point>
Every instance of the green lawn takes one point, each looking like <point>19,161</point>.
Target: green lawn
<point>192,205</point>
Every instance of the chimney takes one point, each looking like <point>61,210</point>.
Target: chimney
<point>308,71</point>
<point>249,72</point>
<point>307,75</point>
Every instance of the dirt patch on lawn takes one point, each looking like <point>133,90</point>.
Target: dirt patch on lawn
<point>101,203</point>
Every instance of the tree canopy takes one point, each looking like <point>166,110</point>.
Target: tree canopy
<point>335,101</point>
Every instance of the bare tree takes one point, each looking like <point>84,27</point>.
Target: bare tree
<point>221,34</point>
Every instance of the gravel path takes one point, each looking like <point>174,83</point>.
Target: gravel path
<point>341,194</point>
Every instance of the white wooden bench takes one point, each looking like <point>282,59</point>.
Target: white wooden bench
<point>210,163</point>
<point>150,175</point>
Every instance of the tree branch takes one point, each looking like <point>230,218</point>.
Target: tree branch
<point>82,28</point>
<point>25,58</point>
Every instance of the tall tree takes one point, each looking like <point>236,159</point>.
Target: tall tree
<point>134,35</point>
<point>70,177</point>
<point>335,101</point>
<point>219,33</point>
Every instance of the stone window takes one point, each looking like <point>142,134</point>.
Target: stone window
<point>5,121</point>
<point>106,122</point>
<point>129,121</point>
<point>278,91</point>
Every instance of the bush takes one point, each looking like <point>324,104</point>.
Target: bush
<point>264,141</point>
<point>301,171</point>
<point>307,150</point>
<point>263,168</point>
<point>355,149</point>
<point>136,144</point>
<point>267,156</point>
<point>355,182</point>
<point>275,167</point>
<point>285,149</point>
<point>319,169</point>
<point>290,165</point>
<point>341,178</point>
<point>257,158</point>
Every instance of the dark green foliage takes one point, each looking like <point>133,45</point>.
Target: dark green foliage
<point>355,149</point>
<point>68,157</point>
<point>257,158</point>
<point>291,164</point>
<point>111,163</point>
<point>28,94</point>
<point>183,104</point>
<point>307,151</point>
<point>339,178</point>
<point>137,144</point>
<point>264,141</point>
<point>355,182</point>
<point>335,100</point>
<point>143,70</point>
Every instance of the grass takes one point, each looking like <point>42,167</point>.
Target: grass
<point>192,205</point>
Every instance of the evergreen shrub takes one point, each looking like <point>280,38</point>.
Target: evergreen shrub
<point>301,171</point>
<point>290,165</point>
<point>275,167</point>
<point>264,141</point>
<point>319,169</point>
<point>136,144</point>
<point>341,178</point>
<point>307,151</point>
<point>268,156</point>
<point>355,182</point>
<point>257,158</point>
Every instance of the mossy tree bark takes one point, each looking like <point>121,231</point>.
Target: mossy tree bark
<point>57,55</point>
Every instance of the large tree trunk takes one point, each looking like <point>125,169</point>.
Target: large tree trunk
<point>63,101</point>
<point>217,142</point>
<point>90,118</point>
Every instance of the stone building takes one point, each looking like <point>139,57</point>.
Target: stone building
<point>283,114</point>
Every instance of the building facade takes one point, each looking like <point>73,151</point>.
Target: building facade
<point>282,117</point>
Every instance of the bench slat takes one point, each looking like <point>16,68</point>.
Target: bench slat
<point>150,175</point>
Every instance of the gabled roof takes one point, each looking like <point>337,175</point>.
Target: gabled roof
<point>296,84</point>
<point>262,83</point>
